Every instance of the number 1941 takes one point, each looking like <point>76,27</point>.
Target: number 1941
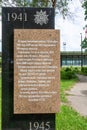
<point>15,16</point>
<point>39,126</point>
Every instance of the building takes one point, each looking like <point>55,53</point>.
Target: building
<point>73,58</point>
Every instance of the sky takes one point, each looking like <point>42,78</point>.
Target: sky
<point>70,28</point>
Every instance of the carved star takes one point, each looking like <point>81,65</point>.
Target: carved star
<point>41,17</point>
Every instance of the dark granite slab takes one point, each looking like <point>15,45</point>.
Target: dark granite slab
<point>19,18</point>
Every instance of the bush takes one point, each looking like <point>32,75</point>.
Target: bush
<point>68,73</point>
<point>84,71</point>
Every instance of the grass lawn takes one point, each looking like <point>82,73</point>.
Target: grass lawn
<point>68,119</point>
<point>0,103</point>
<point>65,85</point>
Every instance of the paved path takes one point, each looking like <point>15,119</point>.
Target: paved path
<point>77,97</point>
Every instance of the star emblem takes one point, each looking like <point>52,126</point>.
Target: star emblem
<point>41,17</point>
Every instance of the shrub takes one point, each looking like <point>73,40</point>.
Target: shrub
<point>68,73</point>
<point>84,71</point>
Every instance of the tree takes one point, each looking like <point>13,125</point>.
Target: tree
<point>84,5</point>
<point>61,5</point>
<point>84,44</point>
<point>39,3</point>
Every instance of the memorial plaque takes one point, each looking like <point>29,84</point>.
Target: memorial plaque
<point>36,71</point>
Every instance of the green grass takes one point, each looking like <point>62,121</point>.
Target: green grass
<point>68,119</point>
<point>0,103</point>
<point>65,85</point>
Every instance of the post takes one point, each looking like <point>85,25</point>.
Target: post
<point>64,46</point>
<point>81,53</point>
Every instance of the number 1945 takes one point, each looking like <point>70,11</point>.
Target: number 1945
<point>39,126</point>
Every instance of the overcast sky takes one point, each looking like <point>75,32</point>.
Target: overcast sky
<point>70,28</point>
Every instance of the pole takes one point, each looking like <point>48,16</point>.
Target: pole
<point>81,53</point>
<point>64,46</point>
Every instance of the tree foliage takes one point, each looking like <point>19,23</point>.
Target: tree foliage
<point>85,8</point>
<point>84,43</point>
<point>33,3</point>
<point>61,5</point>
<point>39,3</point>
